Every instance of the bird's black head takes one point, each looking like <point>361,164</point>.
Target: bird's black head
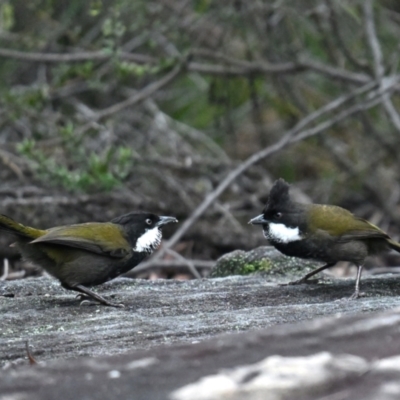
<point>278,205</point>
<point>282,220</point>
<point>143,229</point>
<point>280,209</point>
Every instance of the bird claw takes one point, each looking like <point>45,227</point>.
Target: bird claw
<point>355,296</point>
<point>81,296</point>
<point>116,305</point>
<point>87,302</point>
<point>300,282</point>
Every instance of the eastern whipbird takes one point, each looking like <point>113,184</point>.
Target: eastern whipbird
<point>89,254</point>
<point>320,232</point>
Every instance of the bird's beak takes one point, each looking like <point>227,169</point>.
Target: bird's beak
<point>259,220</point>
<point>165,220</point>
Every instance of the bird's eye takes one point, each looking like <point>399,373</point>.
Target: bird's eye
<point>149,221</point>
<point>278,214</point>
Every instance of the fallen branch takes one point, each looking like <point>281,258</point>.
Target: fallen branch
<point>6,266</point>
<point>152,265</point>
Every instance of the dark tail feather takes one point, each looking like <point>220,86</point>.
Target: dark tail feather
<point>7,224</point>
<point>394,245</point>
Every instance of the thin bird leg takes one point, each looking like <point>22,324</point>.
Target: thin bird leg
<point>93,295</point>
<point>357,293</point>
<point>309,275</point>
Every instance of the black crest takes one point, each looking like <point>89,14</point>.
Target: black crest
<point>133,217</point>
<point>279,194</point>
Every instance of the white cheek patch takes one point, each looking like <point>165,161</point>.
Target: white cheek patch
<point>283,234</point>
<point>149,241</point>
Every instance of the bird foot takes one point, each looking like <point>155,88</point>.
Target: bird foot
<point>300,282</point>
<point>82,297</point>
<point>116,305</point>
<point>88,302</point>
<point>355,296</point>
<point>92,298</point>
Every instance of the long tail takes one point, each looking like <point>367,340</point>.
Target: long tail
<point>394,245</point>
<point>7,224</point>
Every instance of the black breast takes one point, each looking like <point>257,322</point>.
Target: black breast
<point>115,269</point>
<point>128,265</point>
<point>304,249</point>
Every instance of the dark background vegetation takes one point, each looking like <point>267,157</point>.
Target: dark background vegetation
<point>193,109</point>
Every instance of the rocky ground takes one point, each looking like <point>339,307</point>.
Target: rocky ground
<point>171,334</point>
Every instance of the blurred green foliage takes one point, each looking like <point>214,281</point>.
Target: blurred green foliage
<point>234,113</point>
<point>81,171</point>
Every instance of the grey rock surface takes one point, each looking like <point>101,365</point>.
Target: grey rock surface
<point>158,312</point>
<point>168,336</point>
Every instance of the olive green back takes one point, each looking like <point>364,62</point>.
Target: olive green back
<point>339,222</point>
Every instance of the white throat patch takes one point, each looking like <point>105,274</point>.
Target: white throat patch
<point>149,241</point>
<point>283,234</point>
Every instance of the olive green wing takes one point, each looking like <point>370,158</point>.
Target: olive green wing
<point>369,231</point>
<point>100,238</point>
<point>337,221</point>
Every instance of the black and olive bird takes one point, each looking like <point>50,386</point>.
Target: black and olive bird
<point>321,232</point>
<point>89,254</point>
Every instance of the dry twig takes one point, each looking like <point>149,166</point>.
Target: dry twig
<point>31,359</point>
<point>167,264</point>
<point>4,275</point>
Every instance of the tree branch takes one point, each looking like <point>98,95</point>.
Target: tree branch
<point>74,57</point>
<point>292,136</point>
<point>142,94</point>
<point>379,67</point>
<point>232,67</point>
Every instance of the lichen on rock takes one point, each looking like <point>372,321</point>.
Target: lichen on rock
<point>264,260</point>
